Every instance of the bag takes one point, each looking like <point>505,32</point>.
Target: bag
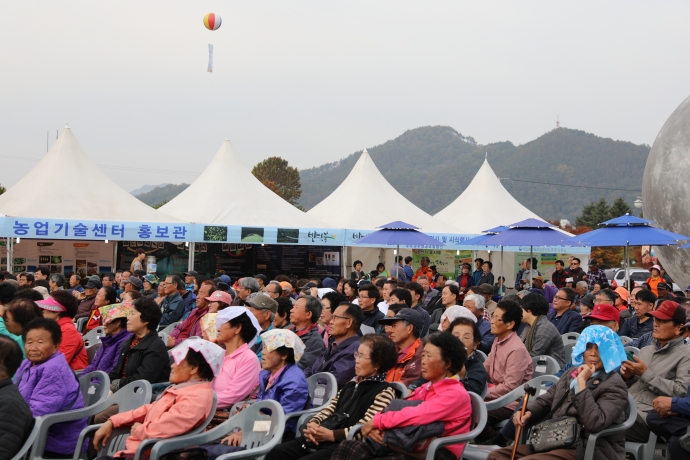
<point>559,433</point>
<point>412,441</point>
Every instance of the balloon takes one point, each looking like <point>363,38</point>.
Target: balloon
<point>212,21</point>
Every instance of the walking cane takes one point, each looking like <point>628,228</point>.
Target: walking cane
<point>528,391</point>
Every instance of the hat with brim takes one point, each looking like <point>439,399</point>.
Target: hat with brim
<point>51,304</point>
<point>405,314</point>
<point>604,312</point>
<point>220,296</point>
<point>663,286</point>
<point>669,310</point>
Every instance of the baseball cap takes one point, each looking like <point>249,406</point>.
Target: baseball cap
<point>657,267</point>
<point>623,293</point>
<point>604,312</point>
<point>406,314</point>
<point>286,286</point>
<point>51,304</point>
<point>663,286</point>
<point>95,277</point>
<point>93,284</point>
<point>687,289</point>
<point>224,279</point>
<point>669,310</point>
<point>136,282</point>
<point>191,273</point>
<point>220,296</point>
<point>262,302</point>
<point>329,283</point>
<point>592,262</point>
<point>308,286</point>
<point>486,288</point>
<point>588,300</point>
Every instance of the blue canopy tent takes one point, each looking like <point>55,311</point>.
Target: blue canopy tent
<point>628,231</point>
<point>397,233</point>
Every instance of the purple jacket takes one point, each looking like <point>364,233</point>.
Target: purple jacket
<point>49,388</point>
<point>339,361</point>
<point>107,356</point>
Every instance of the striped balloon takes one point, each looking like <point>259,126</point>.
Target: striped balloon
<point>212,21</point>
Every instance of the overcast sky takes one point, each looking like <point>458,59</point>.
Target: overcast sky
<point>313,81</point>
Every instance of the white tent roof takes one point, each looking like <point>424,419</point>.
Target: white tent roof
<point>341,208</point>
<point>206,200</point>
<point>66,184</point>
<point>485,204</point>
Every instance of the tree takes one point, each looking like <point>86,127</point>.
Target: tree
<point>593,214</point>
<point>2,189</point>
<point>280,178</point>
<point>620,208</point>
<point>157,206</point>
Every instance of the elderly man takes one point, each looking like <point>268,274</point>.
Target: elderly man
<point>131,284</point>
<point>190,277</point>
<point>641,323</point>
<point>108,280</point>
<point>173,305</point>
<point>487,290</point>
<point>404,330</point>
<point>192,325</point>
<point>56,282</point>
<point>429,293</point>
<point>564,317</point>
<point>476,304</point>
<point>661,369</point>
<point>262,280</point>
<point>247,285</point>
<point>264,309</point>
<point>580,291</point>
<point>665,292</point>
<point>75,284</point>
<point>339,357</point>
<point>189,300</point>
<point>273,290</point>
<point>398,270</point>
<point>417,292</point>
<point>86,304</point>
<point>304,315</point>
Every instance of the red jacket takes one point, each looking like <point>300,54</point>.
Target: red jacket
<point>72,345</point>
<point>409,367</point>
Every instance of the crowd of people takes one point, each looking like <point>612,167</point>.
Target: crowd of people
<point>258,339</point>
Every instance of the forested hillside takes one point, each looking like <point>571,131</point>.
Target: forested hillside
<point>162,193</point>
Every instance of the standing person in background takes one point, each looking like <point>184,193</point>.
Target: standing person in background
<point>500,287</point>
<point>424,270</point>
<point>560,275</point>
<point>574,270</point>
<point>42,273</point>
<point>595,274</point>
<point>655,279</point>
<point>357,274</point>
<point>477,274</point>
<point>398,270</point>
<point>139,262</point>
<point>465,280</point>
<point>486,277</point>
<point>408,268</point>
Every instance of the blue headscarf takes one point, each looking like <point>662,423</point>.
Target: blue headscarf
<point>610,347</point>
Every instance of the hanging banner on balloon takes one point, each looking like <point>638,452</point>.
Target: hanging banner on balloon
<point>212,22</point>
<point>210,58</point>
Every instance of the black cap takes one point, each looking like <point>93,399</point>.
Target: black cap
<point>308,286</point>
<point>592,262</point>
<point>191,273</point>
<point>433,267</point>
<point>588,300</point>
<point>663,285</point>
<point>93,284</point>
<point>406,314</point>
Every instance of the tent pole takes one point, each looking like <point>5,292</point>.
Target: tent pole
<point>627,264</point>
<point>190,260</point>
<point>395,262</point>
<point>113,268</point>
<point>10,253</point>
<point>501,293</point>
<point>531,256</point>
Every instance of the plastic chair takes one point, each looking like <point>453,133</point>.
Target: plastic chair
<point>164,337</point>
<point>401,388</point>
<point>262,426</point>
<point>479,419</point>
<point>568,347</point>
<point>131,396</point>
<point>544,365</point>
<point>81,322</point>
<point>570,337</point>
<point>170,327</point>
<point>480,355</point>
<point>323,387</point>
<point>642,451</point>
<point>24,451</point>
<point>625,339</point>
<point>92,349</point>
<point>634,350</point>
<point>630,416</point>
<point>94,335</point>
<point>93,388</point>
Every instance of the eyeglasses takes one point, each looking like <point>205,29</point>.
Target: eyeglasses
<point>574,263</point>
<point>363,298</point>
<point>342,317</point>
<point>360,356</point>
<point>496,319</point>
<point>559,298</point>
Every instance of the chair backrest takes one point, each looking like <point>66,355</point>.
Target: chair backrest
<point>24,451</point>
<point>479,412</point>
<point>261,423</point>
<point>634,350</point>
<point>540,383</point>
<point>480,355</point>
<point>570,337</point>
<point>364,329</point>
<point>401,388</point>
<point>544,365</point>
<point>131,396</point>
<point>92,349</point>
<point>94,386</point>
<point>568,347</point>
<point>625,339</point>
<point>322,388</point>
<point>80,323</point>
<point>94,335</point>
<point>163,336</point>
<point>170,327</point>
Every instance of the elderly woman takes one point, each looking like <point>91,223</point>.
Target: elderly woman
<point>61,307</point>
<point>107,295</point>
<point>540,336</point>
<point>454,313</point>
<point>116,333</point>
<point>183,406</point>
<point>594,393</point>
<point>444,399</point>
<point>356,403</point>
<point>465,280</point>
<point>48,385</point>
<point>473,374</point>
<point>450,297</point>
<point>16,315</point>
<point>150,283</point>
<point>239,377</point>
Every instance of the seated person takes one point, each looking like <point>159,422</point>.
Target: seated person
<point>15,316</point>
<point>453,313</point>
<point>449,298</point>
<point>61,307</point>
<point>183,406</point>
<point>48,384</point>
<point>17,420</point>
<point>540,336</point>
<point>640,323</point>
<point>594,393</point>
<point>304,315</point>
<point>339,358</point>
<point>404,330</point>
<point>476,304</point>
<point>282,320</point>
<point>444,399</point>
<point>115,327</point>
<point>661,369</point>
<point>321,434</point>
<point>264,309</point>
<point>191,327</point>
<point>564,317</point>
<point>509,364</point>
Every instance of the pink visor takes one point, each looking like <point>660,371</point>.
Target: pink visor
<point>51,304</point>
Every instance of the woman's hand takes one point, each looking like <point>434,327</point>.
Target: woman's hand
<point>134,427</point>
<point>521,420</point>
<point>584,372</point>
<point>318,434</point>
<point>376,435</point>
<point>234,439</point>
<point>100,439</point>
<point>367,428</point>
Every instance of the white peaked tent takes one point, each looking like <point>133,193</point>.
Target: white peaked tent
<point>207,199</point>
<point>365,200</point>
<point>484,204</point>
<point>66,184</point>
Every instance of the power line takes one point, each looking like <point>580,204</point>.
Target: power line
<point>571,185</point>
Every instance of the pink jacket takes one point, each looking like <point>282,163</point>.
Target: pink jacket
<point>445,401</point>
<point>180,409</point>
<point>508,366</point>
<point>238,377</point>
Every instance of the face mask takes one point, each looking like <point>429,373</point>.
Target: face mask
<point>189,287</point>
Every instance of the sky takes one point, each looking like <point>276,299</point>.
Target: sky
<point>314,81</point>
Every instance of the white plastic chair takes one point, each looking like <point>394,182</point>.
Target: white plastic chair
<point>92,349</point>
<point>170,327</point>
<point>544,365</point>
<point>634,350</point>
<point>23,453</point>
<point>94,335</point>
<point>630,416</point>
<point>568,347</point>
<point>625,339</point>
<point>480,355</point>
<point>401,388</point>
<point>479,419</point>
<point>323,387</point>
<point>79,325</point>
<point>570,337</point>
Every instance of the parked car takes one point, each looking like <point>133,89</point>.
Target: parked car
<point>637,276</point>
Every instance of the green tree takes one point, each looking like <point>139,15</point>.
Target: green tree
<point>280,178</point>
<point>156,206</point>
<point>2,189</point>
<point>593,214</point>
<point>620,208</point>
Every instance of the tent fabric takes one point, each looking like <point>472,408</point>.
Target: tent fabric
<point>67,184</point>
<point>366,200</point>
<point>485,203</point>
<point>632,235</point>
<point>208,199</point>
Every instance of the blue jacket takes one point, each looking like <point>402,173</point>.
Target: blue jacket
<point>189,300</point>
<point>488,338</point>
<point>339,361</point>
<point>408,272</point>
<point>290,390</point>
<point>569,321</point>
<point>173,309</point>
<point>477,276</point>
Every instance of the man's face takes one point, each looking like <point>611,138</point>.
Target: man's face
<point>260,281</point>
<point>663,292</point>
<point>498,327</point>
<point>528,264</point>
<point>580,290</point>
<point>23,281</point>
<point>261,315</point>
<point>106,282</point>
<point>387,288</point>
<point>39,276</point>
<point>574,264</point>
<point>485,267</point>
<point>299,314</point>
<point>128,287</point>
<point>90,292</point>
<point>73,281</point>
<point>559,267</point>
<point>366,302</point>
<point>602,299</point>
<point>665,330</point>
<point>243,292</point>
<point>358,267</point>
<point>593,267</point>
<point>470,305</point>
<point>271,291</point>
<point>189,279</point>
<point>560,302</point>
<point>340,322</point>
<point>424,282</point>
<point>118,277</point>
<point>201,301</point>
<point>539,284</point>
<point>398,332</point>
<point>170,287</point>
<point>477,265</point>
<point>425,262</point>
<point>642,308</point>
<point>440,282</point>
